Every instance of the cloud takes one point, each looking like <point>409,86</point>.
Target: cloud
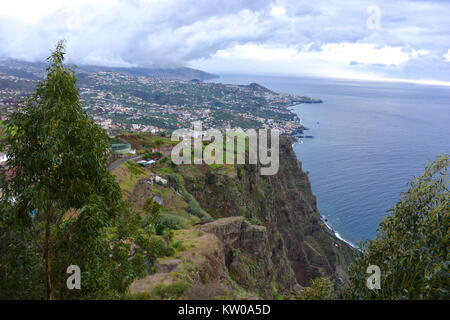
<point>236,35</point>
<point>447,56</point>
<point>364,53</point>
<point>142,32</point>
<point>328,60</point>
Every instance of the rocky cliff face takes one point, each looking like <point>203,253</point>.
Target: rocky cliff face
<point>285,205</point>
<point>248,256</point>
<point>225,258</point>
<point>267,239</point>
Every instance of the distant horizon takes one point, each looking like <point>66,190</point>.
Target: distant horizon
<point>436,83</point>
<point>428,82</point>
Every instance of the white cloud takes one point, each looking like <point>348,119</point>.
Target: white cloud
<point>32,11</point>
<point>447,56</point>
<point>366,53</point>
<point>278,11</point>
<point>270,35</point>
<point>99,57</point>
<point>331,59</point>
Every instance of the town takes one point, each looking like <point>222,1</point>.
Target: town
<point>121,102</point>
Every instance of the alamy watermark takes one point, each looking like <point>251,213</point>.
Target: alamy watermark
<point>374,281</point>
<point>74,280</point>
<point>190,150</point>
<point>373,22</point>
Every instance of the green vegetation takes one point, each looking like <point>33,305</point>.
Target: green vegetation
<point>194,207</point>
<point>320,289</point>
<point>152,210</point>
<point>148,141</point>
<point>68,209</point>
<point>62,177</point>
<point>128,174</point>
<point>171,291</point>
<point>411,246</point>
<point>249,271</point>
<point>173,221</point>
<point>165,166</point>
<point>2,131</point>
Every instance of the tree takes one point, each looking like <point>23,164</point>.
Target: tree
<point>321,289</point>
<point>152,210</point>
<point>411,245</point>
<point>64,195</point>
<point>21,265</point>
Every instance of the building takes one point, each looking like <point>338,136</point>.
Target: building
<point>122,148</point>
<point>158,179</point>
<point>145,163</point>
<point>3,158</point>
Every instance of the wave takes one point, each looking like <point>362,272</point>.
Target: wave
<point>337,235</point>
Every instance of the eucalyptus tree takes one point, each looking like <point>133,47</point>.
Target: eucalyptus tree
<point>411,245</point>
<point>61,191</point>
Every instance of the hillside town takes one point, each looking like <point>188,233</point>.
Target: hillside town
<point>121,102</point>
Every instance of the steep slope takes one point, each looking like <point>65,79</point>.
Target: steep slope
<point>272,242</point>
<point>284,203</point>
<point>227,258</point>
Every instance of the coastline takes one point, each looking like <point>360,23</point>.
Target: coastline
<point>336,234</point>
<point>297,140</point>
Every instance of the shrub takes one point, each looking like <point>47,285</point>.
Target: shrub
<point>211,178</point>
<point>239,172</point>
<point>159,229</point>
<point>153,210</point>
<point>157,154</point>
<point>159,248</point>
<point>194,207</point>
<point>172,221</point>
<point>134,168</point>
<point>179,245</point>
<point>138,296</point>
<point>171,291</point>
<point>320,289</point>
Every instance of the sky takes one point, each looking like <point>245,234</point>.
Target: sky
<point>371,40</point>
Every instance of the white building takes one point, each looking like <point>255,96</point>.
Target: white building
<point>159,179</point>
<point>145,163</point>
<point>3,158</point>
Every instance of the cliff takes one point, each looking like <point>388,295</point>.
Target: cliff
<point>284,203</point>
<point>267,239</point>
<point>227,258</point>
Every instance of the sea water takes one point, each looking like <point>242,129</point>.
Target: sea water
<point>369,139</point>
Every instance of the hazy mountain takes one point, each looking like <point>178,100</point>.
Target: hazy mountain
<point>33,70</point>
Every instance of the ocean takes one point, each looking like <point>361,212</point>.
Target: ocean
<point>368,140</point>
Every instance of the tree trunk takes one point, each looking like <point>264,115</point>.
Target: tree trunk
<point>48,284</point>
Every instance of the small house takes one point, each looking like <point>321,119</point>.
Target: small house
<point>3,158</point>
<point>145,163</point>
<point>158,179</point>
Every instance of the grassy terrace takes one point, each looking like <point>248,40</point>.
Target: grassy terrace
<point>145,140</point>
<point>128,174</point>
<point>180,209</point>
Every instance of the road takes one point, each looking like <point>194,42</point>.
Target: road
<point>118,162</point>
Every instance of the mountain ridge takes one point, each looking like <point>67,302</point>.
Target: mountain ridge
<point>175,73</point>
